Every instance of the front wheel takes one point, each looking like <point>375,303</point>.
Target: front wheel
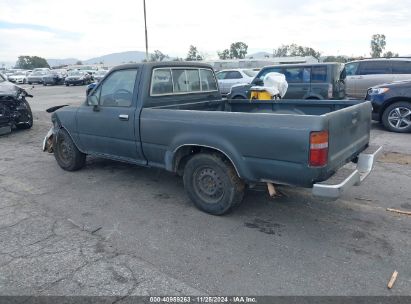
<point>397,117</point>
<point>212,183</point>
<point>66,153</point>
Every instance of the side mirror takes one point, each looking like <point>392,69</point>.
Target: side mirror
<point>93,101</point>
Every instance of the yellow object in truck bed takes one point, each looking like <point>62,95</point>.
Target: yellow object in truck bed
<point>260,94</point>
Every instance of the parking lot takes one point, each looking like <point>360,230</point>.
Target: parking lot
<point>118,229</point>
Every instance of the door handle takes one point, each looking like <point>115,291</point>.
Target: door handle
<point>123,117</point>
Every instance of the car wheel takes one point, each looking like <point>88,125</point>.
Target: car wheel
<point>29,123</point>
<point>29,82</point>
<point>66,153</point>
<point>45,84</point>
<point>67,84</point>
<point>212,183</point>
<point>24,81</point>
<point>397,117</point>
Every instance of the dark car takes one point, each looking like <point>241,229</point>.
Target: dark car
<point>15,111</point>
<point>77,77</point>
<point>391,104</point>
<point>54,77</point>
<point>305,81</point>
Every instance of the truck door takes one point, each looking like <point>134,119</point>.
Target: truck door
<point>109,124</point>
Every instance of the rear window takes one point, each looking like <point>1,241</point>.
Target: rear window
<point>374,67</point>
<point>401,67</point>
<point>233,75</point>
<point>166,81</point>
<point>319,74</point>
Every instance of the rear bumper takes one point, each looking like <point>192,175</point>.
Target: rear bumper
<point>347,177</point>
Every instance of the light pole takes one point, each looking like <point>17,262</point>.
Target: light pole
<point>145,27</point>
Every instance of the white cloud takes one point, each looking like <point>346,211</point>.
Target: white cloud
<point>85,29</point>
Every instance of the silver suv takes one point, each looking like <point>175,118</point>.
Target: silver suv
<point>363,74</point>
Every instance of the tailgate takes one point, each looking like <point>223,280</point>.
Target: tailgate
<point>349,133</point>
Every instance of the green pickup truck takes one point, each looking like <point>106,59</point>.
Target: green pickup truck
<point>171,116</point>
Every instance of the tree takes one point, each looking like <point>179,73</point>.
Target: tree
<point>377,45</point>
<point>238,50</point>
<point>341,59</point>
<point>224,54</point>
<point>296,50</point>
<point>193,54</point>
<point>31,62</point>
<point>389,54</point>
<point>158,56</point>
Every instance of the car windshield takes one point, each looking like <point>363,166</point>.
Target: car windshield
<point>250,73</point>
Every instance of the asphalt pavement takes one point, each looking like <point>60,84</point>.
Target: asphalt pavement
<point>119,229</point>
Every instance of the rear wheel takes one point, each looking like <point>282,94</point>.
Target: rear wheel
<point>397,117</point>
<point>212,183</point>
<point>66,153</point>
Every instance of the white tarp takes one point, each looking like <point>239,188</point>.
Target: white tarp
<point>275,84</point>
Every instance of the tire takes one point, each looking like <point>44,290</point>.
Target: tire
<point>29,82</point>
<point>24,81</point>
<point>397,117</point>
<point>29,123</point>
<point>212,184</point>
<point>66,153</point>
<point>67,84</point>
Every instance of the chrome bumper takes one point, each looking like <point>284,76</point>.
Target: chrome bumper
<point>347,177</point>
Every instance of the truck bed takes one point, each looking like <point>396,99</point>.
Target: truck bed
<point>266,141</point>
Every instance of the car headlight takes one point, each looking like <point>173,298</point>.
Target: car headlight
<point>378,91</point>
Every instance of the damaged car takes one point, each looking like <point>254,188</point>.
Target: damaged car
<point>15,111</point>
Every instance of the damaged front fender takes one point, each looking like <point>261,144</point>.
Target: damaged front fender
<point>48,141</point>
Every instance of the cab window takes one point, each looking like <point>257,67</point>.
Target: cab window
<point>376,67</point>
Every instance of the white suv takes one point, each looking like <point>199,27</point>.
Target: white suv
<point>363,74</point>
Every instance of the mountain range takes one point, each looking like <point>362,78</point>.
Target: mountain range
<point>109,59</point>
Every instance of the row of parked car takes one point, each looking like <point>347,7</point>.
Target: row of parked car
<point>385,82</point>
<point>48,76</point>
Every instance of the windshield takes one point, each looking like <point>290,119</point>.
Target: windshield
<point>250,73</point>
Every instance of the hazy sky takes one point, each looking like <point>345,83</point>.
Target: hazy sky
<point>85,29</point>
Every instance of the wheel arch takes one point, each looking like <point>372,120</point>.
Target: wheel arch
<point>182,154</point>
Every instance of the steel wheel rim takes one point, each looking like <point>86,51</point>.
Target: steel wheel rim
<point>208,185</point>
<point>65,151</point>
<point>400,118</point>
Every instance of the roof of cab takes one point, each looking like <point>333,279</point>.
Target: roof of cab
<point>163,64</point>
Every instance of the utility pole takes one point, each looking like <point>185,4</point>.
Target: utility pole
<point>145,27</point>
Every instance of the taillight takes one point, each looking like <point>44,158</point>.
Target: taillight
<point>318,148</point>
<point>330,91</point>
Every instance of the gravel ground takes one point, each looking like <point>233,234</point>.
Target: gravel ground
<point>118,229</point>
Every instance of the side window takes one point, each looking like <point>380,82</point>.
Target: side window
<point>117,90</point>
<point>297,75</point>
<point>351,68</point>
<point>376,67</point>
<point>233,75</point>
<point>161,83</point>
<point>179,81</point>
<point>319,74</point>
<point>208,82</point>
<point>220,75</point>
<point>401,67</point>
<point>193,80</point>
<point>264,72</point>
